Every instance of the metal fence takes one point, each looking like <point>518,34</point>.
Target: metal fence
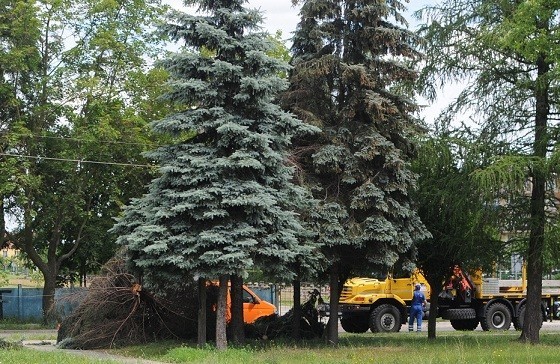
<point>25,304</point>
<point>282,296</point>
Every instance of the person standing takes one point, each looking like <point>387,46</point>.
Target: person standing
<point>416,309</point>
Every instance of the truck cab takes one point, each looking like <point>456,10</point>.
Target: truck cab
<point>378,304</point>
<point>254,307</point>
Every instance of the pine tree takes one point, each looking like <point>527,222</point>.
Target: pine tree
<point>348,77</point>
<point>223,201</point>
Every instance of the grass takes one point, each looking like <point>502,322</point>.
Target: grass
<point>14,324</point>
<point>450,347</point>
<point>32,356</point>
<point>13,352</point>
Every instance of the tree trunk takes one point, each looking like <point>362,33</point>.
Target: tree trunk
<point>49,309</point>
<point>296,325</point>
<point>533,315</point>
<point>332,325</point>
<point>3,237</point>
<point>221,322</point>
<point>201,340</point>
<point>435,289</point>
<point>237,323</point>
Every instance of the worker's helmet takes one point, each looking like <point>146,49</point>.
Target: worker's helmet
<point>417,287</point>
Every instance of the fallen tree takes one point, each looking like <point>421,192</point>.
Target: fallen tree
<point>118,311</point>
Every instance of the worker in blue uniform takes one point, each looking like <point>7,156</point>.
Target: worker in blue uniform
<point>416,308</point>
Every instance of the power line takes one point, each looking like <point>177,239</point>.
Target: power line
<point>78,139</point>
<point>79,160</point>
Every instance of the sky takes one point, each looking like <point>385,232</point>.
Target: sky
<point>281,15</point>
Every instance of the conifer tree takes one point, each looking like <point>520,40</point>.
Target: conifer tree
<point>504,54</point>
<point>222,203</point>
<point>350,66</point>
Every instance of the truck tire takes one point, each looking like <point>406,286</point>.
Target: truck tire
<point>355,323</point>
<point>385,318</point>
<point>518,321</point>
<point>497,317</point>
<point>459,314</point>
<point>464,325</point>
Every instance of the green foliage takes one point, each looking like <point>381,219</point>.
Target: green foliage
<point>346,80</point>
<point>75,108</point>
<point>279,50</point>
<point>36,277</point>
<point>459,215</point>
<point>507,172</point>
<point>223,201</point>
<point>4,278</point>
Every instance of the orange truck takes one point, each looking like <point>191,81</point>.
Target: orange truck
<point>254,307</point>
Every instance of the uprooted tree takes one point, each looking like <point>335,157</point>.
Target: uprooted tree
<point>118,311</point>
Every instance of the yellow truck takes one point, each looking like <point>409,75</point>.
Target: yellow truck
<point>471,299</point>
<point>380,305</point>
<point>466,300</point>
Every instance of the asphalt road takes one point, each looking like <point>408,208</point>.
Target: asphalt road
<point>446,326</point>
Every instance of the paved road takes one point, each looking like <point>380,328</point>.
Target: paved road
<point>547,326</point>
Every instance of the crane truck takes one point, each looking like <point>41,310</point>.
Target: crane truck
<point>466,300</point>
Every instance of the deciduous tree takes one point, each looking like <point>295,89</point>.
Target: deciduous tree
<point>505,54</point>
<point>72,123</point>
<point>460,216</point>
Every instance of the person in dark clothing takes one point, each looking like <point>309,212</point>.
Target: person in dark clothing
<point>418,302</point>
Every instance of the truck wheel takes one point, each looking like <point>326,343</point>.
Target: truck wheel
<point>498,317</point>
<point>355,324</point>
<point>464,325</point>
<point>459,314</point>
<point>385,318</point>
<point>518,321</point>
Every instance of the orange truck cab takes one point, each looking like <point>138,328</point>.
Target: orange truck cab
<point>254,307</point>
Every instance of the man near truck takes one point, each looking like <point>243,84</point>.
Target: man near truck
<point>418,302</point>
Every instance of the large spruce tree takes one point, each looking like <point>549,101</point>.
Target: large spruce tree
<point>222,202</point>
<point>350,62</point>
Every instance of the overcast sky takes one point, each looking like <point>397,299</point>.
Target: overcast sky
<point>281,15</point>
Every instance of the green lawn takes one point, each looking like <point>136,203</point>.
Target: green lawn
<point>31,356</point>
<point>450,347</point>
<point>404,347</point>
